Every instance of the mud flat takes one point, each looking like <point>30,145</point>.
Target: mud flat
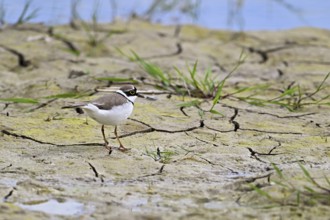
<point>210,166</point>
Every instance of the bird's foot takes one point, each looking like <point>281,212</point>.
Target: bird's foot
<point>123,149</point>
<point>108,147</point>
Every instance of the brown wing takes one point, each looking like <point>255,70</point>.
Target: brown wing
<point>107,102</point>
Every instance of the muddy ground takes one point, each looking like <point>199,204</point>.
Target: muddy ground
<point>53,164</point>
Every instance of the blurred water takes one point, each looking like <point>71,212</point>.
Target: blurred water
<point>215,14</point>
<point>55,207</point>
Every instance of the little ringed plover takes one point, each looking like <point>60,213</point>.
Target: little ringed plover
<point>111,109</point>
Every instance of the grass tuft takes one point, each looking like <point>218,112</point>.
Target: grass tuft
<point>27,13</point>
<point>208,87</point>
<point>311,193</point>
<point>162,156</point>
<point>94,37</point>
<point>294,97</point>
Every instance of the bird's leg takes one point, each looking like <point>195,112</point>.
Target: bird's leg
<point>121,146</point>
<point>106,142</point>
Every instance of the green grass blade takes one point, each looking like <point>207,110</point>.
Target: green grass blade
<point>298,198</point>
<point>208,83</point>
<point>32,15</point>
<point>182,76</point>
<point>261,192</point>
<point>306,173</point>
<point>26,7</point>
<point>321,100</point>
<point>218,94</point>
<point>309,189</point>
<point>288,92</point>
<point>284,185</point>
<point>216,112</point>
<point>20,100</point>
<point>278,171</point>
<point>256,88</point>
<point>320,86</point>
<point>194,81</point>
<point>263,102</point>
<point>152,69</point>
<point>194,71</point>
<point>131,58</point>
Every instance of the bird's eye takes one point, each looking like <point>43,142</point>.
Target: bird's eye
<point>132,92</point>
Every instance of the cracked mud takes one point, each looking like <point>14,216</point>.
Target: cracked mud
<point>180,165</point>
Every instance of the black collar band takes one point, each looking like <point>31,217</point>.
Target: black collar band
<point>125,97</point>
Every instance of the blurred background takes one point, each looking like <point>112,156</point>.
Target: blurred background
<point>238,15</point>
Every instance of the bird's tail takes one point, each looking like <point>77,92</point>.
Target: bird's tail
<point>77,107</point>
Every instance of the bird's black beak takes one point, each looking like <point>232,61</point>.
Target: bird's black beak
<point>146,97</point>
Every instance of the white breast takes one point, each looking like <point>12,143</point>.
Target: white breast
<point>115,116</point>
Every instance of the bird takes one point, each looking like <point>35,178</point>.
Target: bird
<point>111,109</point>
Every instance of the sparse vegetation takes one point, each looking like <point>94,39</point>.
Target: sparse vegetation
<point>94,37</point>
<point>293,98</point>
<point>36,101</point>
<point>288,193</point>
<point>207,87</point>
<point>161,156</point>
<point>2,14</point>
<point>185,7</point>
<point>27,13</point>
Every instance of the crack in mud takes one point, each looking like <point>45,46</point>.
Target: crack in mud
<point>277,116</point>
<point>148,130</point>
<point>178,51</point>
<point>248,180</point>
<point>310,62</point>
<point>10,165</point>
<point>25,137</point>
<point>9,194</point>
<point>97,175</point>
<point>70,45</point>
<point>261,53</point>
<point>264,54</point>
<point>254,154</point>
<point>183,112</point>
<point>22,61</point>
<point>221,131</point>
<point>232,120</point>
<point>207,160</point>
<point>42,105</point>
<point>160,172</point>
<point>152,129</point>
<point>141,178</point>
<point>271,132</point>
<point>270,114</point>
<point>201,140</point>
<point>253,179</point>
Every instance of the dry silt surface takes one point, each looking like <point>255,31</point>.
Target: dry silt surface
<point>251,162</point>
